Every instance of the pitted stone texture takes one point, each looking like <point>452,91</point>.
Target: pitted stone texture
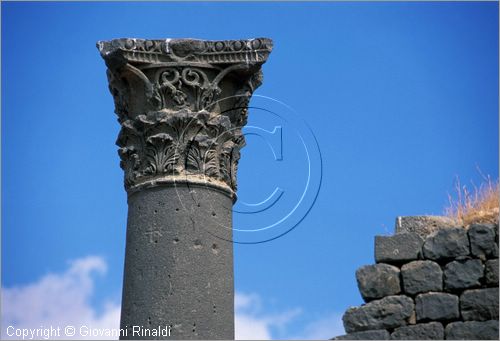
<point>422,225</point>
<point>381,334</point>
<point>398,248</point>
<point>423,331</point>
<point>463,274</point>
<point>421,276</point>
<point>388,312</point>
<point>482,241</point>
<point>379,280</point>
<point>182,104</point>
<point>178,264</point>
<point>491,272</point>
<point>446,244</point>
<point>479,304</point>
<point>436,306</point>
<point>472,330</point>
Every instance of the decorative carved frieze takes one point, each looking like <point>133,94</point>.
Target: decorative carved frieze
<point>181,104</point>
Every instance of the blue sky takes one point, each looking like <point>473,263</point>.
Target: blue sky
<point>401,97</point>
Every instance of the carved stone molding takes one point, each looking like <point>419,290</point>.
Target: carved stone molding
<point>181,104</point>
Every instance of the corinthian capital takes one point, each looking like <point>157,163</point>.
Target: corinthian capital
<point>181,104</point>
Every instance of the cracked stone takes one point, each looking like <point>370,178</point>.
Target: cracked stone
<point>398,248</point>
<point>436,306</point>
<point>388,312</point>
<point>422,331</point>
<point>479,304</point>
<point>463,274</point>
<point>379,280</point>
<point>421,276</point>
<point>446,244</point>
<point>472,330</point>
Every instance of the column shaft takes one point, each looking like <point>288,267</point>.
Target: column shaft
<point>178,270</point>
<point>181,104</point>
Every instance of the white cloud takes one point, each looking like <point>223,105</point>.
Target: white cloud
<point>251,328</point>
<point>323,329</point>
<point>59,300</point>
<point>253,324</point>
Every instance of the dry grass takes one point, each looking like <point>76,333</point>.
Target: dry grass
<point>481,205</point>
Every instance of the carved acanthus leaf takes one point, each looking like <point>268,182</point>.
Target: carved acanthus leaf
<point>182,104</point>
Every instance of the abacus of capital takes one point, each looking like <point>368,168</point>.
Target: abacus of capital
<point>181,104</point>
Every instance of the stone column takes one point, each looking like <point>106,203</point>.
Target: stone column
<point>181,104</point>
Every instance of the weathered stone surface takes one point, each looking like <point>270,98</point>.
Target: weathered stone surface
<point>413,318</point>
<point>472,330</point>
<point>182,105</point>
<point>482,241</point>
<point>178,267</point>
<point>398,248</point>
<point>422,331</point>
<point>446,244</point>
<point>479,304</point>
<point>379,280</point>
<point>421,276</point>
<point>388,312</point>
<point>463,274</point>
<point>491,272</point>
<point>381,334</point>
<point>422,225</point>
<point>436,306</point>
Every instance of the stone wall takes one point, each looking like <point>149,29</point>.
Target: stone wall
<point>429,285</point>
